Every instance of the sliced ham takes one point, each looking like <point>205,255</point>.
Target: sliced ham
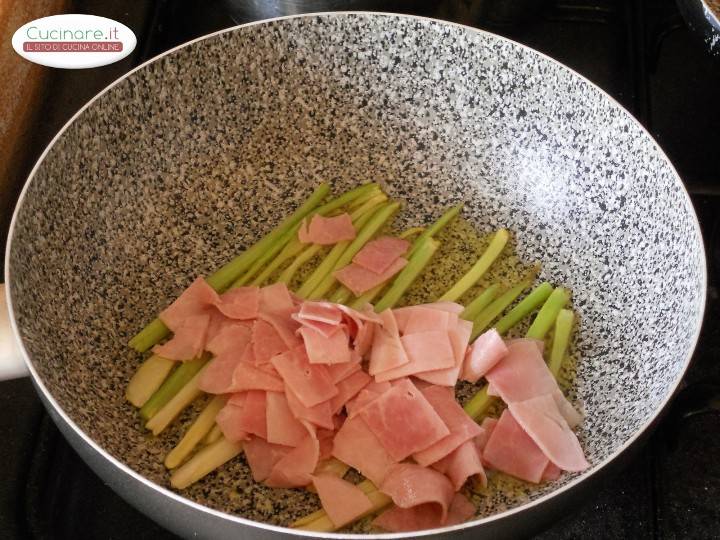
<point>230,338</point>
<point>387,350</point>
<point>366,395</point>
<point>459,338</point>
<point>403,420</point>
<point>311,383</point>
<point>188,340</point>
<point>364,338</point>
<point>360,280</point>
<point>356,445</point>
<point>320,415</point>
<point>378,255</point>
<point>348,389</point>
<point>197,299</point>
<point>402,315</point>
<point>323,312</point>
<point>485,352</point>
<point>252,419</point>
<point>542,421</point>
<point>227,420</point>
<point>461,464</point>
<point>326,230</point>
<point>539,343</point>
<point>425,516</point>
<point>249,377</point>
<point>551,472</point>
<point>239,303</point>
<point>262,456</point>
<point>342,501</point>
<point>285,326</point>
<point>462,427</point>
<point>228,373</point>
<point>282,426</point>
<point>426,319</point>
<point>427,351</point>
<point>410,485</point>
<point>322,349</point>
<point>512,451</point>
<point>486,429</point>
<point>266,342</point>
<point>338,372</point>
<point>276,297</point>
<point>296,467</point>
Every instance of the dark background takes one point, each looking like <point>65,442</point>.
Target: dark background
<point>641,52</point>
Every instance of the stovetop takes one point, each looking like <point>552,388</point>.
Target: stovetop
<point>639,51</point>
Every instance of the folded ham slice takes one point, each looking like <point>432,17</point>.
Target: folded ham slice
<point>326,349</point>
<point>296,467</point>
<point>188,340</point>
<point>231,338</point>
<point>276,297</point>
<point>486,351</point>
<point>403,420</point>
<point>372,391</point>
<point>282,426</point>
<point>197,299</point>
<point>262,456</point>
<point>426,319</point>
<point>426,351</point>
<point>425,516</point>
<point>228,374</point>
<point>320,415</point>
<point>542,421</point>
<point>378,255</point>
<point>252,418</point>
<point>360,280</point>
<point>227,420</point>
<point>324,312</point>
<point>266,342</point>
<point>311,383</point>
<point>338,372</point>
<point>240,303</point>
<point>342,501</point>
<point>459,339</point>
<point>411,485</point>
<point>348,388</point>
<point>461,464</point>
<point>387,349</point>
<point>326,230</point>
<point>356,445</point>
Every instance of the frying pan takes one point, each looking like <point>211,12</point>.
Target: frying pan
<point>191,157</point>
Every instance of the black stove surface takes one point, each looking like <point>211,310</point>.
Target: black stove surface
<point>640,52</point>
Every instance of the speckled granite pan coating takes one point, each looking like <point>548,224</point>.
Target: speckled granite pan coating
<point>192,157</point>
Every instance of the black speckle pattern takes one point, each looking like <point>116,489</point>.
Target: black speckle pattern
<point>191,158</point>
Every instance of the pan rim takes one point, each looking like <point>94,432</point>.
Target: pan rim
<point>415,534</point>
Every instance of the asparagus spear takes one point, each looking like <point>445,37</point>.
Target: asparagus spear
<point>185,396</point>
<point>147,379</point>
<point>436,227</point>
<point>561,339</point>
<point>213,435</point>
<point>489,314</point>
<point>417,263</point>
<point>409,233</point>
<point>222,278</point>
<point>497,244</point>
<point>474,308</point>
<point>205,461</point>
<point>199,429</point>
<point>548,313</point>
<point>532,301</point>
<point>479,403</point>
<point>172,385</point>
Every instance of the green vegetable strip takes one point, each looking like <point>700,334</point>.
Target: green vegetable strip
<point>548,313</point>
<point>171,386</point>
<point>561,339</point>
<point>497,244</point>
<point>341,295</point>
<point>377,221</point>
<point>366,297</point>
<point>531,302</point>
<point>352,196</point>
<point>431,231</point>
<point>222,278</point>
<point>408,233</point>
<point>474,308</point>
<point>416,264</point>
<point>261,261</point>
<point>479,403</point>
<point>490,313</point>
<point>291,250</point>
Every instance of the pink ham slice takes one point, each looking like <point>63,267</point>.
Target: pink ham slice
<point>327,230</point>
<point>227,374</point>
<point>403,420</point>
<point>276,297</point>
<point>425,516</point>
<point>402,315</point>
<point>231,338</point>
<point>338,372</point>
<point>195,300</point>
<point>342,501</point>
<point>459,338</point>
<point>262,456</point>
<point>323,312</point>
<point>282,427</point>
<point>487,350</point>
<point>295,469</point>
<point>461,464</point>
<point>284,325</point>
<point>410,485</point>
<point>387,350</point>
<point>426,319</point>
<point>378,255</point>
<point>248,377</point>
<point>539,343</point>
<point>542,421</point>
<point>551,472</point>
<point>311,383</point>
<point>360,280</point>
<point>356,445</point>
<point>188,340</point>
<point>523,374</point>
<point>320,415</point>
<point>252,419</point>
<point>462,427</point>
<point>227,420</point>
<point>486,429</point>
<point>240,303</point>
<point>266,342</point>
<point>512,451</point>
<point>348,389</point>
<point>321,349</point>
<point>366,395</point>
<point>427,351</point>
